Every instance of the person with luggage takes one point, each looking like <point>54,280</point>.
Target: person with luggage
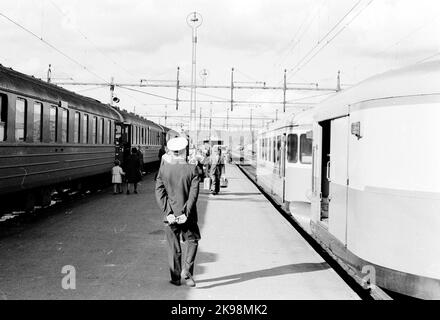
<point>215,169</point>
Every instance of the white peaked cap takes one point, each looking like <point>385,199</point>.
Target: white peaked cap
<point>177,144</point>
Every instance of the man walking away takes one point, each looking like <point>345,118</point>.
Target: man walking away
<point>177,190</point>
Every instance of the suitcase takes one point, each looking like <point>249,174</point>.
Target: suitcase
<point>223,182</point>
<point>207,183</point>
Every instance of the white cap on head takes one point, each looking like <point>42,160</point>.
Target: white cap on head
<point>177,144</point>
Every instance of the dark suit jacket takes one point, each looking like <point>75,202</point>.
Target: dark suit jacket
<point>177,189</point>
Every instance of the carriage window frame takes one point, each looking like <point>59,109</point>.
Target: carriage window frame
<point>3,117</point>
<point>94,130</point>
<point>109,138</point>
<point>85,128</point>
<point>76,127</point>
<point>64,125</point>
<point>53,123</point>
<point>21,122</point>
<point>292,148</point>
<point>38,122</point>
<point>301,145</point>
<point>102,131</point>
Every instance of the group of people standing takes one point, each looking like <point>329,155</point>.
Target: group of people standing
<point>130,172</point>
<point>211,165</point>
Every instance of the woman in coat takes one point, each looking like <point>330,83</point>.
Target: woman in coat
<point>132,170</point>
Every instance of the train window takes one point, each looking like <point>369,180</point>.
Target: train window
<point>109,136</point>
<point>102,131</point>
<point>274,149</point>
<point>76,128</point>
<point>278,149</point>
<point>85,128</point>
<point>3,116</point>
<point>38,120</point>
<point>94,130</point>
<point>269,149</point>
<point>263,155</point>
<point>53,123</point>
<point>305,155</point>
<point>64,125</point>
<point>292,148</point>
<point>118,135</point>
<point>20,119</point>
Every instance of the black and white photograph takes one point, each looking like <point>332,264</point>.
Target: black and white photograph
<point>217,157</point>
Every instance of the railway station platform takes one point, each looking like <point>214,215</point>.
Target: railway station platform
<point>116,243</point>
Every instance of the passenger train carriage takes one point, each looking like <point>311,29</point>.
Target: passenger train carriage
<point>284,161</point>
<point>52,138</point>
<point>376,178</point>
<point>372,198</point>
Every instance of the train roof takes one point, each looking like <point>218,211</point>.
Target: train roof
<point>415,80</point>
<point>291,119</point>
<point>132,118</point>
<point>20,83</point>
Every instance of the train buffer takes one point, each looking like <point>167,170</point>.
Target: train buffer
<point>116,246</point>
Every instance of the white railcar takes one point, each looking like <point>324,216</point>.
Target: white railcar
<point>376,179</point>
<point>284,161</point>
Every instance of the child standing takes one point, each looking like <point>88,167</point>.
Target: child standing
<point>117,174</point>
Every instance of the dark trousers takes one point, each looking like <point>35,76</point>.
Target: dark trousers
<point>215,183</point>
<point>175,252</point>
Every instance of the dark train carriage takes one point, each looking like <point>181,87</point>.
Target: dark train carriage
<point>50,136</point>
<point>136,131</point>
<point>169,134</point>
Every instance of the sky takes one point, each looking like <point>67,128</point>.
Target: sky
<point>129,40</point>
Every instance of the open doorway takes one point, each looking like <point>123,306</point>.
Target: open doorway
<point>325,168</point>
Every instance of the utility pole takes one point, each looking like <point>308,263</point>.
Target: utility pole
<point>194,20</point>
<point>49,74</point>
<point>210,123</point>
<point>112,90</point>
<point>177,89</point>
<point>232,90</point>
<point>284,91</point>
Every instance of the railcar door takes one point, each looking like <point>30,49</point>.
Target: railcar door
<point>121,141</point>
<point>283,164</point>
<point>337,175</point>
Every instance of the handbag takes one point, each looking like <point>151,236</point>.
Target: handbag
<point>207,183</point>
<point>223,182</point>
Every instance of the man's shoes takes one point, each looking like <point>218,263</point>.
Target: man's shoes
<point>189,281</point>
<point>128,192</point>
<point>135,191</point>
<point>175,282</point>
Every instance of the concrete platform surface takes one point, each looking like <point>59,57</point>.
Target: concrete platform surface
<point>116,243</point>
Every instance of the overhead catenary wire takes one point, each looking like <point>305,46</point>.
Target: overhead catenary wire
<point>325,36</point>
<point>144,92</point>
<point>88,39</point>
<point>331,39</point>
<point>54,48</point>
